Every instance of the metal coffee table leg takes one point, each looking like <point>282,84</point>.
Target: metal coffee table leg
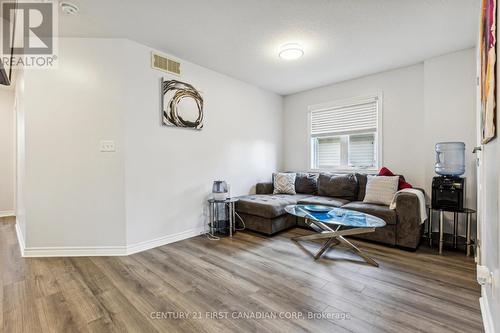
<point>325,247</point>
<point>335,237</point>
<point>358,251</point>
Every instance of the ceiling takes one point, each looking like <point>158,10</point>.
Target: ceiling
<point>342,39</point>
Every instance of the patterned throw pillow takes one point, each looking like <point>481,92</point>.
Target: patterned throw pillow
<point>381,189</point>
<point>284,183</point>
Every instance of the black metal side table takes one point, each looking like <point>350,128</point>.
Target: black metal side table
<point>468,215</point>
<point>218,222</point>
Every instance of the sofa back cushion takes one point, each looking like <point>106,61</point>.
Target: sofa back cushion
<point>306,183</point>
<point>339,186</point>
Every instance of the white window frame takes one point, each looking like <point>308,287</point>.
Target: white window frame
<point>378,135</point>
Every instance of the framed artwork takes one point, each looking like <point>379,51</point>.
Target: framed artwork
<point>487,44</point>
<point>182,105</point>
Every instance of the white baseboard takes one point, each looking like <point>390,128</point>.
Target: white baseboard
<point>146,245</point>
<point>89,251</point>
<point>486,314</point>
<point>75,251</point>
<point>6,213</point>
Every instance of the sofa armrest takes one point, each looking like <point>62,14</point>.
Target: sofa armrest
<point>264,188</point>
<point>420,189</point>
<point>408,228</point>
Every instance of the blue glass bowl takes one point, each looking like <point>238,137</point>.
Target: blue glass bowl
<point>318,208</point>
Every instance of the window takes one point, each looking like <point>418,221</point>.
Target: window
<point>345,135</point>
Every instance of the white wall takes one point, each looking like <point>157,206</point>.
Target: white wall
<point>7,152</point>
<point>403,122</point>
<point>75,195</point>
<point>490,229</point>
<point>450,104</point>
<point>169,171</point>
<point>156,184</point>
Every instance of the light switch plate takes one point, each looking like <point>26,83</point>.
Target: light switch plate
<point>108,146</point>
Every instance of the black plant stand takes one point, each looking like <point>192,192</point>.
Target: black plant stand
<point>452,239</point>
<point>220,224</point>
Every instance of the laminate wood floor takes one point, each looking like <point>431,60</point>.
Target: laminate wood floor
<point>246,284</point>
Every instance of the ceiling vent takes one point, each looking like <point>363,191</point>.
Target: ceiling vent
<point>165,64</point>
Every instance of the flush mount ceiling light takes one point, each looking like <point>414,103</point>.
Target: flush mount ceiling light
<point>69,8</point>
<point>291,51</point>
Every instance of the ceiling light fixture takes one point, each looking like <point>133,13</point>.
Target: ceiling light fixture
<point>291,51</point>
<point>69,8</point>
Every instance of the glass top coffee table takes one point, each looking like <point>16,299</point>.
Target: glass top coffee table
<point>333,224</point>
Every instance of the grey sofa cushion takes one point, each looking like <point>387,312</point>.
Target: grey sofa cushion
<point>339,186</point>
<point>326,201</point>
<point>264,188</point>
<point>306,183</point>
<point>362,180</point>
<point>384,212</point>
<point>267,205</point>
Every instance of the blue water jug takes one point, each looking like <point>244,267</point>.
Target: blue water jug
<point>450,158</point>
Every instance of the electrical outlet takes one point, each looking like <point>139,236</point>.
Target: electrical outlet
<point>484,276</point>
<point>108,146</point>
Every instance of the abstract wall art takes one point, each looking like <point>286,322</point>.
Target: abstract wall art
<point>182,105</point>
<point>487,40</point>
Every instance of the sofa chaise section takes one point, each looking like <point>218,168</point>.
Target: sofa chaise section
<point>265,212</point>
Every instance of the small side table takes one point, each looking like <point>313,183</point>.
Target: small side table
<point>468,215</point>
<point>217,222</point>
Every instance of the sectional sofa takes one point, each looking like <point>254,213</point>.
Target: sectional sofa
<point>264,212</point>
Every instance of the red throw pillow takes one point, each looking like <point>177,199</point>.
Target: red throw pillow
<point>402,182</point>
<point>385,172</point>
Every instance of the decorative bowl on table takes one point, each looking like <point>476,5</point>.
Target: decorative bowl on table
<point>317,208</point>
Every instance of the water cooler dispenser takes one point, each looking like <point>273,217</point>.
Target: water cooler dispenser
<point>448,189</point>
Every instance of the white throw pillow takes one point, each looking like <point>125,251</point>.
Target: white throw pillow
<point>381,189</point>
<point>284,183</point>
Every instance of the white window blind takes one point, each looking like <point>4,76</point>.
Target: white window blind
<point>358,117</point>
<point>328,152</point>
<point>362,150</point>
